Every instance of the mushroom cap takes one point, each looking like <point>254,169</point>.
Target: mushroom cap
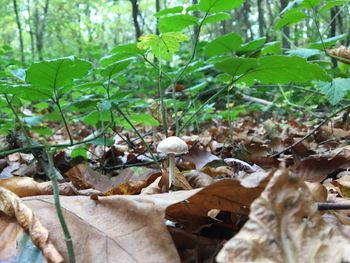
<point>173,145</point>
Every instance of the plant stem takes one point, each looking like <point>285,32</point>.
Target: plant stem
<point>217,94</point>
<point>64,122</point>
<point>332,206</point>
<point>183,71</point>
<point>53,176</point>
<point>139,135</point>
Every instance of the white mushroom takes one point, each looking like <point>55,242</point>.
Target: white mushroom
<point>171,146</point>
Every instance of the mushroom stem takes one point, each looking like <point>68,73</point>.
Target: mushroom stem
<point>171,157</point>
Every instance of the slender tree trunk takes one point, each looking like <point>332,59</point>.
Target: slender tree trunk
<point>285,30</point>
<point>40,25</point>
<point>195,28</point>
<point>333,30</point>
<point>261,18</point>
<point>157,10</point>
<point>248,26</point>
<point>135,12</point>
<point>19,26</point>
<point>31,34</point>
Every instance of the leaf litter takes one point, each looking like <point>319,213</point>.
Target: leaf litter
<point>229,216</point>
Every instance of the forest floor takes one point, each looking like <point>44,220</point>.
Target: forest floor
<point>272,191</point>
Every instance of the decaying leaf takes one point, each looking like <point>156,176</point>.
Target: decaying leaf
<point>200,157</point>
<point>341,52</point>
<point>122,228</point>
<point>198,179</point>
<point>225,195</point>
<point>12,206</point>
<point>285,226</point>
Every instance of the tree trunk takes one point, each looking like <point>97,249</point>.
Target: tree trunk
<point>261,18</point>
<point>40,25</point>
<point>333,30</point>
<point>19,26</point>
<point>31,34</point>
<point>248,26</point>
<point>135,12</point>
<point>195,28</point>
<point>285,31</point>
<point>157,10</point>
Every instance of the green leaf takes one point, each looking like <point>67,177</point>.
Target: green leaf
<point>144,118</point>
<point>79,152</point>
<point>214,6</point>
<point>328,42</point>
<point>102,142</point>
<point>164,45</point>
<point>309,3</point>
<point>331,4</point>
<point>290,17</point>
<point>273,69</point>
<point>335,90</point>
<point>216,18</point>
<point>223,44</point>
<point>237,66</point>
<point>167,11</point>
<point>115,67</point>
<point>55,74</point>
<point>176,23</point>
<point>304,52</point>
<point>251,46</point>
<point>272,48</point>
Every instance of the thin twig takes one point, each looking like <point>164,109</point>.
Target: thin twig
<point>312,131</point>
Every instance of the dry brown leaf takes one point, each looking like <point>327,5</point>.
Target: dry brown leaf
<point>343,184</point>
<point>198,179</point>
<point>285,226</point>
<point>84,177</point>
<point>316,168</point>
<point>221,171</point>
<point>26,186</point>
<point>200,157</point>
<point>318,191</point>
<point>225,195</point>
<point>128,188</point>
<point>12,206</point>
<point>153,188</point>
<point>341,52</point>
<point>122,228</point>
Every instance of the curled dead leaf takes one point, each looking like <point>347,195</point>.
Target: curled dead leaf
<point>12,206</point>
<point>285,226</point>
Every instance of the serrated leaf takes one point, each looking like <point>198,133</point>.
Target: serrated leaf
<point>335,90</point>
<point>223,44</point>
<point>214,6</point>
<point>273,69</point>
<point>290,17</point>
<point>56,73</point>
<point>216,18</point>
<point>176,23</point>
<point>164,45</point>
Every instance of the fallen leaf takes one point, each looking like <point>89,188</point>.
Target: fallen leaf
<point>221,171</point>
<point>285,226</point>
<point>198,179</point>
<point>126,228</point>
<point>199,156</point>
<point>226,195</point>
<point>12,206</point>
